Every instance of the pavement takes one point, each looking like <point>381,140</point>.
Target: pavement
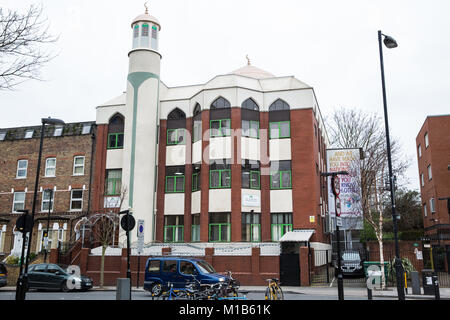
<point>389,292</point>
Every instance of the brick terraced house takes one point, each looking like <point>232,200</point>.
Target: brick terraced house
<point>65,169</point>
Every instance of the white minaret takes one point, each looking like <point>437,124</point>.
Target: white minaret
<point>141,123</point>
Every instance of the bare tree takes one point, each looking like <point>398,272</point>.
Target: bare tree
<point>356,129</point>
<point>24,39</point>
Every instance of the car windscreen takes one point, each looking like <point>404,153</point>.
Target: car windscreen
<point>205,267</point>
<point>3,269</point>
<point>352,256</point>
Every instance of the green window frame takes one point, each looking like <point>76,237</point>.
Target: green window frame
<point>253,127</point>
<point>175,186</point>
<point>277,127</point>
<point>174,233</point>
<point>195,233</point>
<point>113,183</point>
<point>115,141</point>
<point>174,135</point>
<point>221,129</point>
<point>279,229</point>
<point>222,180</point>
<point>282,185</point>
<point>195,181</point>
<point>219,227</point>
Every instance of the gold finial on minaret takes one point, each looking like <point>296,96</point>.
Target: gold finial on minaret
<point>146,8</point>
<point>248,60</point>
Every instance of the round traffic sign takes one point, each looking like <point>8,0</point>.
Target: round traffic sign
<point>128,222</point>
<point>336,185</point>
<point>338,207</point>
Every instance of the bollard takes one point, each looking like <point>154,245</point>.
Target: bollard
<point>436,287</point>
<point>369,294</point>
<point>415,280</point>
<point>123,289</point>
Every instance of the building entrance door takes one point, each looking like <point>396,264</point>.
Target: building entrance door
<point>290,264</point>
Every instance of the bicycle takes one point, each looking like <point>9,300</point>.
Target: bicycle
<point>273,290</point>
<point>175,294</point>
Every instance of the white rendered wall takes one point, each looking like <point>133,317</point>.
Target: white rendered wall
<point>196,202</point>
<point>256,195</point>
<point>280,149</point>
<point>281,200</point>
<point>197,152</point>
<point>114,159</point>
<point>176,155</point>
<point>220,148</point>
<point>174,204</point>
<point>220,200</point>
<point>250,148</point>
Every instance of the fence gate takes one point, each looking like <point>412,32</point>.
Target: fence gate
<point>290,269</point>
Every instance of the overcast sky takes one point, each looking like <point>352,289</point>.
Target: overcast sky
<point>330,45</point>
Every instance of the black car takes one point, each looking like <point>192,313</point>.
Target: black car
<point>3,274</point>
<point>351,264</point>
<point>56,277</point>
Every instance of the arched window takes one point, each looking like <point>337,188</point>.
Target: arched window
<point>250,104</point>
<point>220,103</point>
<point>176,114</point>
<point>197,109</point>
<point>197,124</point>
<point>176,127</point>
<point>279,105</point>
<point>279,120</point>
<point>115,132</point>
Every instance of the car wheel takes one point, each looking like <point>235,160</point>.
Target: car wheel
<point>64,287</point>
<point>156,289</point>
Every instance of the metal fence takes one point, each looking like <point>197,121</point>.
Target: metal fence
<point>323,271</point>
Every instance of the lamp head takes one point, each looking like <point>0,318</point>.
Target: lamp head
<point>52,121</point>
<point>390,42</point>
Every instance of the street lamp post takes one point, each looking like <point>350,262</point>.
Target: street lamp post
<point>24,284</point>
<point>335,188</point>
<point>391,43</point>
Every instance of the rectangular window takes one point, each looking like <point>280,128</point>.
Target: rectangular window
<point>250,179</point>
<point>281,223</point>
<point>136,31</point>
<point>195,181</point>
<point>197,131</point>
<point>2,135</point>
<point>78,165</point>
<point>115,141</point>
<point>50,167</point>
<point>422,179</point>
<point>220,179</point>
<point>58,131</point>
<point>173,228</point>
<point>76,200</point>
<point>219,227</point>
<point>113,182</point>
<point>176,136</point>
<point>22,166</point>
<point>46,203</point>
<point>251,227</point>
<point>430,176</point>
<point>425,212</point>
<point>145,30</point>
<point>250,128</point>
<point>426,140</point>
<point>18,201</point>
<point>153,266</point>
<point>280,175</point>
<point>432,206</point>
<point>154,32</point>
<point>29,134</point>
<point>419,150</point>
<point>195,229</point>
<point>279,130</point>
<point>86,129</point>
<point>175,184</point>
<point>220,128</point>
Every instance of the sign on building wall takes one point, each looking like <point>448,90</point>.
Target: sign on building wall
<point>251,200</point>
<point>350,189</point>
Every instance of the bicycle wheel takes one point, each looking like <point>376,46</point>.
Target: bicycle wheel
<point>268,294</point>
<point>278,293</point>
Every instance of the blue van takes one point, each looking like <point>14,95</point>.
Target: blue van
<point>159,271</point>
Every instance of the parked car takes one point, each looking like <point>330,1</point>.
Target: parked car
<point>352,264</point>
<point>159,272</point>
<point>3,274</point>
<point>56,277</point>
